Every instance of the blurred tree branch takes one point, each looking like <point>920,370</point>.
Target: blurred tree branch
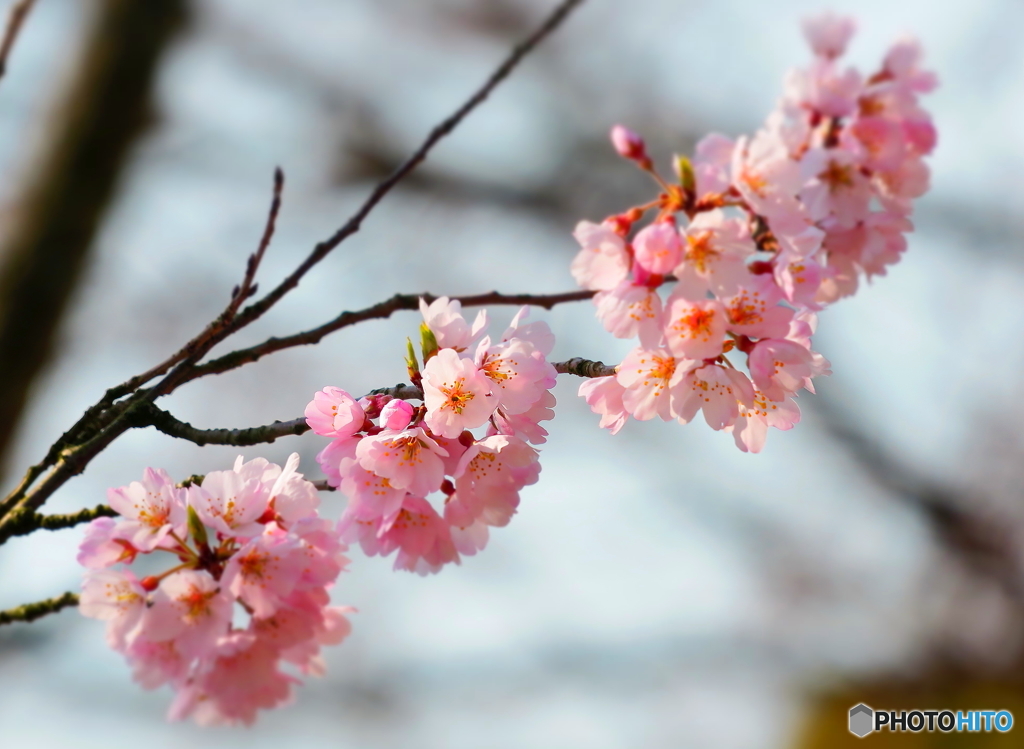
<point>982,544</point>
<point>107,420</point>
<point>29,612</point>
<point>49,246</point>
<point>15,19</point>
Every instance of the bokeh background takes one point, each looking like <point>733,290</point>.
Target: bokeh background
<point>658,588</point>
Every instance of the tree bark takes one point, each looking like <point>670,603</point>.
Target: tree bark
<point>108,109</point>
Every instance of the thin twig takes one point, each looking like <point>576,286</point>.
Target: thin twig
<point>22,522</point>
<point>153,416</point>
<point>242,292</point>
<point>15,19</point>
<point>92,420</point>
<point>73,460</point>
<point>380,310</point>
<point>32,611</point>
<point>520,51</point>
<point>585,368</point>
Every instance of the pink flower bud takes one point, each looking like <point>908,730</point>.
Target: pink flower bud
<point>628,144</point>
<point>396,415</point>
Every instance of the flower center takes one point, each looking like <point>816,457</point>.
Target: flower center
<point>456,397</point>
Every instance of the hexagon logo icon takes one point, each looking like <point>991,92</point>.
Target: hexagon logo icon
<point>862,720</point>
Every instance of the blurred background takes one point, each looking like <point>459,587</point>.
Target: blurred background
<point>658,588</point>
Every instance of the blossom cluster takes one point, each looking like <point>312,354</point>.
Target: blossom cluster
<point>777,226</point>
<point>248,592</point>
<point>388,455</point>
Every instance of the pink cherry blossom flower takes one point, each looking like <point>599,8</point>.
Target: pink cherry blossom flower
<point>488,480</point>
<point>334,413</point>
<point>628,144</point>
<point>241,677</point>
<point>603,262</point>
<point>264,571</point>
<point>450,329</point>
<point>519,373</point>
<point>902,63</point>
<point>780,367</point>
<point>755,311</point>
<point>695,328</point>
<point>714,255</point>
<point>834,186</point>
<point>712,165</point>
<point>292,497</point>
<point>884,241</point>
<point>751,426</point>
<point>527,424</point>
<point>765,175</point>
<point>231,503</point>
<point>897,188</point>
<point>410,460</point>
<point>604,396</point>
<point>293,624</point>
<point>457,394</point>
<point>470,539</point>
<point>657,248</point>
<point>116,597</point>
<point>189,608</point>
<point>102,545</point>
<point>370,496</point>
<point>717,391</point>
<point>828,34</point>
<point>824,89</point>
<point>883,142</point>
<point>797,235</point>
<point>396,414</point>
<point>335,458</point>
<point>321,551</point>
<point>151,509</point>
<point>631,310</point>
<point>799,279</point>
<point>455,447</point>
<point>156,663</point>
<point>538,334</point>
<point>647,376</point>
<point>420,535</point>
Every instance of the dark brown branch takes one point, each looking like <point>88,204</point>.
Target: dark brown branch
<point>151,415</point>
<point>109,108</point>
<point>241,292</point>
<point>585,368</point>
<point>167,424</point>
<point>378,311</point>
<point>74,459</point>
<point>22,523</point>
<point>32,611</point>
<point>322,486</point>
<point>15,19</point>
<point>984,544</point>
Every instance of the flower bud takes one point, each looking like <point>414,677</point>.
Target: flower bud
<point>396,414</point>
<point>628,144</point>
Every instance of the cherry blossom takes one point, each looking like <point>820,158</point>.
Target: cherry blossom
<point>631,310</point>
<point>603,262</point>
<point>334,413</point>
<point>182,627</point>
<point>695,328</point>
<point>445,320</point>
<point>457,394</point>
<point>647,376</point>
<point>151,509</point>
